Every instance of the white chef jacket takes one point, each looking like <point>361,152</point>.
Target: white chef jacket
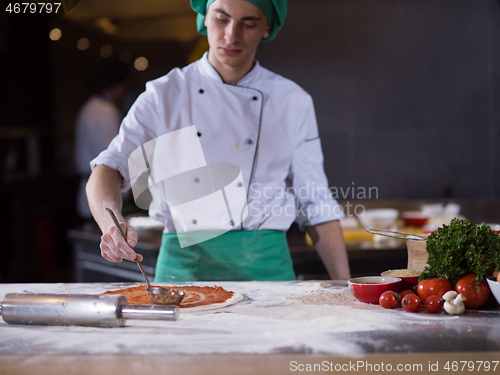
<point>265,124</point>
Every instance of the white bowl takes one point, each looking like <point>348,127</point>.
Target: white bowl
<point>379,218</point>
<point>495,289</point>
<point>144,223</point>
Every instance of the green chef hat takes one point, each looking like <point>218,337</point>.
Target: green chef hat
<point>274,10</point>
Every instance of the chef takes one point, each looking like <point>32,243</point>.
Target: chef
<point>244,115</point>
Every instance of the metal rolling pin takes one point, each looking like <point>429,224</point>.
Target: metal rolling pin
<point>80,310</point>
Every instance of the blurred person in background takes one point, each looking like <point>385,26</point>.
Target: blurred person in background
<point>98,120</point>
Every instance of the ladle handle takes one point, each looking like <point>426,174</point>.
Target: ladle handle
<point>143,273</point>
<point>394,234</point>
<point>120,229</point>
<point>117,224</point>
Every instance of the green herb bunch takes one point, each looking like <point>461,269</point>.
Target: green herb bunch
<point>461,248</point>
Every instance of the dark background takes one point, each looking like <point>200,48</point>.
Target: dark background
<point>406,94</point>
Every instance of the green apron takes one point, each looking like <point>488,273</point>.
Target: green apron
<point>260,255</point>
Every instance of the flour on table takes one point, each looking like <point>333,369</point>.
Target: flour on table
<point>339,296</point>
<point>273,317</point>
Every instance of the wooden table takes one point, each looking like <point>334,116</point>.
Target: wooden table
<point>273,364</point>
<point>279,328</point>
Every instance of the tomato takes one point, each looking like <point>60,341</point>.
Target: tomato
<point>433,287</point>
<point>476,294</point>
<point>433,303</point>
<point>411,302</point>
<point>405,292</point>
<point>389,299</point>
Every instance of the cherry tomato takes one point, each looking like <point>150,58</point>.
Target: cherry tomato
<point>433,303</point>
<point>476,294</point>
<point>411,302</point>
<point>433,287</point>
<point>389,299</point>
<point>405,292</point>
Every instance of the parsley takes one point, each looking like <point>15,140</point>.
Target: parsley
<point>461,248</point>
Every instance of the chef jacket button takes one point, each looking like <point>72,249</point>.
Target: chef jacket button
<point>194,221</point>
<point>201,91</point>
<point>240,184</point>
<point>196,179</point>
<point>249,141</point>
<point>232,223</point>
<point>255,98</point>
<point>198,134</point>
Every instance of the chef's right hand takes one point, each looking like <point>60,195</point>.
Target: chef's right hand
<point>114,247</point>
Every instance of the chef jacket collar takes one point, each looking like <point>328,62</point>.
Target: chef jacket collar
<point>247,80</point>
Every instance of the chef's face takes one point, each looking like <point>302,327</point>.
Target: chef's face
<point>234,29</point>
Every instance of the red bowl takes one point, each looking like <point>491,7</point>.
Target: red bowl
<point>414,219</point>
<point>494,227</point>
<point>368,289</point>
<point>407,282</point>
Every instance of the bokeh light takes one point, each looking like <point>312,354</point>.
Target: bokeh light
<point>141,63</point>
<point>82,44</point>
<point>55,34</point>
<point>106,51</point>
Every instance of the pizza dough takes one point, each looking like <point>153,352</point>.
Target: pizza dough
<point>198,298</point>
<point>236,297</point>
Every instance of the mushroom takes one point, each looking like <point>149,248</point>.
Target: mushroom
<point>450,296</point>
<point>454,303</point>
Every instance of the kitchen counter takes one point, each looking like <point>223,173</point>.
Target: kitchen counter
<point>277,328</point>
<point>365,258</point>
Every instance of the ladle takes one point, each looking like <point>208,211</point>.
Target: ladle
<point>394,234</point>
<point>156,294</point>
